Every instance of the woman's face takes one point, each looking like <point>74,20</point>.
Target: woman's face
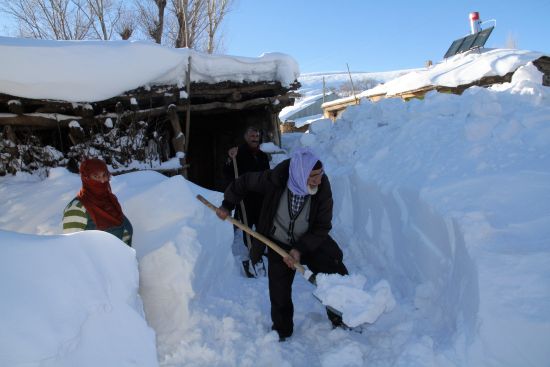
<point>100,176</point>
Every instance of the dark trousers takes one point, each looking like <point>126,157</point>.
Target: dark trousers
<point>252,216</point>
<point>327,259</point>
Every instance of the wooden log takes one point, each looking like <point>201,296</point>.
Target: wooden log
<point>9,134</point>
<point>178,142</point>
<point>227,105</point>
<point>188,110</point>
<point>39,120</point>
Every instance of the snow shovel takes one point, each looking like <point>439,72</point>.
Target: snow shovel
<point>308,274</point>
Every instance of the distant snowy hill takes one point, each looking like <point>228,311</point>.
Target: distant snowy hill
<point>312,84</point>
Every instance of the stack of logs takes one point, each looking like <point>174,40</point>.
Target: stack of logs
<point>20,116</point>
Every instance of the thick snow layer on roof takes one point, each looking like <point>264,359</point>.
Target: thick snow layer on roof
<point>89,71</point>
<point>458,70</point>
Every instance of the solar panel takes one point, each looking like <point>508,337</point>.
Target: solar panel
<point>482,37</point>
<point>454,48</point>
<point>469,42</point>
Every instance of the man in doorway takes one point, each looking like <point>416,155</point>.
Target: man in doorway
<point>249,158</point>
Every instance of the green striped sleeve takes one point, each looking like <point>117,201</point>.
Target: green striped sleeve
<point>74,217</point>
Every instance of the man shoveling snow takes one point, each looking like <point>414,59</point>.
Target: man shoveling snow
<point>296,214</point>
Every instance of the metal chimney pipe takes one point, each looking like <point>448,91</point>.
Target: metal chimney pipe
<point>475,22</point>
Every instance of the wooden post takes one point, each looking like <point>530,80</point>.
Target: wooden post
<point>352,87</point>
<point>178,142</point>
<point>187,116</point>
<point>188,111</point>
<point>10,134</point>
<point>324,90</point>
<point>276,127</point>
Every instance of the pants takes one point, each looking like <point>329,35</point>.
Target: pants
<point>327,259</point>
<point>252,215</point>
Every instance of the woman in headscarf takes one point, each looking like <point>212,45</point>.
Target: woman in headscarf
<point>297,215</point>
<point>95,206</point>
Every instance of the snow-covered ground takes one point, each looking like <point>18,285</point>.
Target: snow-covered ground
<point>446,199</point>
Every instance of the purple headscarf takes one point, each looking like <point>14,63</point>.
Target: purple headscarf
<point>302,162</point>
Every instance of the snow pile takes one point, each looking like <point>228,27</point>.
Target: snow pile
<point>458,70</point>
<point>178,251</point>
<point>347,295</point>
<point>177,248</point>
<point>71,301</point>
<point>446,198</point>
<point>97,70</point>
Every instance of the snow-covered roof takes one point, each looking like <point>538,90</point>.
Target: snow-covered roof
<point>90,71</point>
<point>458,70</point>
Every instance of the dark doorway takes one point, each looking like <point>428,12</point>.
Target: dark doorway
<point>211,135</point>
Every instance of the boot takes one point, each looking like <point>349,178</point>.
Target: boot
<point>259,269</point>
<point>335,319</point>
<point>246,268</point>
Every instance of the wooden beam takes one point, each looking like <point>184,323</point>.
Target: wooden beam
<point>227,105</point>
<point>178,142</point>
<point>39,120</point>
<point>188,105</point>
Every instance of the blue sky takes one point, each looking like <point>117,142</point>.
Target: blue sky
<point>324,35</point>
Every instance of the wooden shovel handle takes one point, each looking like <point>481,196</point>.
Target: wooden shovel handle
<point>254,234</point>
<point>243,209</point>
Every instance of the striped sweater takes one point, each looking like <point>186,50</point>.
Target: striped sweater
<point>76,218</point>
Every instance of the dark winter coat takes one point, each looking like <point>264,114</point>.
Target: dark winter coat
<point>271,184</point>
<point>248,161</point>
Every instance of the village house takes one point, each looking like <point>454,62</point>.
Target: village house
<point>137,104</point>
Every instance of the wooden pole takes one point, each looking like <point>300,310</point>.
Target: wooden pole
<point>188,112</point>
<point>187,117</point>
<point>243,209</point>
<point>324,90</point>
<point>178,142</point>
<point>352,87</point>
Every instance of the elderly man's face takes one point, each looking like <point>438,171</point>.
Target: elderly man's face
<point>315,177</point>
<point>252,138</point>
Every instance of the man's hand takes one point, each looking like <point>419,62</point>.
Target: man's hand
<point>232,153</point>
<point>292,258</point>
<point>222,213</point>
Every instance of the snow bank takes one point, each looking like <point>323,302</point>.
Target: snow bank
<point>183,249</point>
<point>71,301</point>
<point>89,71</point>
<point>178,243</point>
<point>446,199</point>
